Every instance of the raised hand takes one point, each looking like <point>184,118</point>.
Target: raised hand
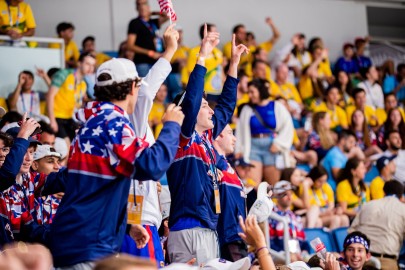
<point>209,42</point>
<point>28,126</point>
<point>21,79</point>
<point>170,37</point>
<point>237,51</point>
<point>252,234</point>
<point>173,113</point>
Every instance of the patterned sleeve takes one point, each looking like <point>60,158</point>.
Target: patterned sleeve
<point>59,77</point>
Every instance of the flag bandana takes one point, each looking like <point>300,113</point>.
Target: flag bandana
<point>167,6</point>
<point>357,239</point>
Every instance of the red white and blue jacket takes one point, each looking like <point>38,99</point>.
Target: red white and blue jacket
<point>233,203</point>
<point>91,218</point>
<point>191,188</point>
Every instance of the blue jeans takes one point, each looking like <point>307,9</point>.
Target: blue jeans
<point>143,69</point>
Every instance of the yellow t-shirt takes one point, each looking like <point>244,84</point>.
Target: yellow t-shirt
<point>369,113</point>
<point>321,197</point>
<point>344,194</point>
<point>324,69</point>
<point>305,87</point>
<point>249,72</point>
<point>71,50</point>
<point>382,115</point>
<point>213,77</point>
<point>338,116</point>
<point>101,58</point>
<point>22,17</point>
<point>286,91</point>
<point>377,188</point>
<point>157,112</point>
<point>70,94</point>
<point>180,53</point>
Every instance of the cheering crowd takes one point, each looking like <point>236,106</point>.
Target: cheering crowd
<point>153,159</point>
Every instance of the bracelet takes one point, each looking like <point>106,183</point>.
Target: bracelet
<point>257,250</point>
<point>151,53</point>
<point>264,254</point>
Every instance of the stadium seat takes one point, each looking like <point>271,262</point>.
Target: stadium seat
<point>325,236</point>
<point>339,235</point>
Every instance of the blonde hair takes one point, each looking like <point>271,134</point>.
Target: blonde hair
<point>325,137</point>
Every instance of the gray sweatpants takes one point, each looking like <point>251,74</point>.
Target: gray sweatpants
<point>198,243</point>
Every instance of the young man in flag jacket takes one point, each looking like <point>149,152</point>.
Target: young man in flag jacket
<point>105,155</point>
<point>194,207</point>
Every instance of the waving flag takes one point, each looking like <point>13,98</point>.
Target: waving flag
<point>167,6</point>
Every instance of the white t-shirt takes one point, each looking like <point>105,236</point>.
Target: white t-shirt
<point>29,102</point>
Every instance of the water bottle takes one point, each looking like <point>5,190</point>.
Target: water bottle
<point>319,248</point>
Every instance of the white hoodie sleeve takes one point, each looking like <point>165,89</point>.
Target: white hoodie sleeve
<point>284,127</point>
<point>150,86</point>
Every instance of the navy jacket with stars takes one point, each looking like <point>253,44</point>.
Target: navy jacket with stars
<point>91,219</point>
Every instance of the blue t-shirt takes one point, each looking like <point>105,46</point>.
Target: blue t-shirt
<point>335,158</point>
<point>268,116</point>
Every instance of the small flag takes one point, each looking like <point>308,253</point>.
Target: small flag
<point>167,6</point>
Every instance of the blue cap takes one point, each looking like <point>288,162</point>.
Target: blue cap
<point>13,132</point>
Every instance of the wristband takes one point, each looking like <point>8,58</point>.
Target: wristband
<point>151,53</point>
<point>257,250</point>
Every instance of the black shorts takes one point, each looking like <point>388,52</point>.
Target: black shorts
<point>66,128</point>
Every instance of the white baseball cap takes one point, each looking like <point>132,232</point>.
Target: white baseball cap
<point>180,266</point>
<point>120,70</point>
<point>45,151</point>
<point>282,186</point>
<point>222,264</point>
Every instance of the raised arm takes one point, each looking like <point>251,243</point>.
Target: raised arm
<point>13,98</point>
<point>154,161</point>
<point>227,101</point>
<point>153,80</point>
<point>194,92</point>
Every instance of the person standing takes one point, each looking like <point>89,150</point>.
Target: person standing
<point>195,196</point>
<point>143,38</point>
<point>383,221</point>
<point>233,200</point>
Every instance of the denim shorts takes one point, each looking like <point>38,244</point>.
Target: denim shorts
<point>260,151</point>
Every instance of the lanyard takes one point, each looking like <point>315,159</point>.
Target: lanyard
<point>31,102</point>
<point>78,96</point>
<point>17,22</point>
<point>318,201</point>
<point>151,27</point>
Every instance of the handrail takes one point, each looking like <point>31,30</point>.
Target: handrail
<point>286,237</point>
<point>43,40</point>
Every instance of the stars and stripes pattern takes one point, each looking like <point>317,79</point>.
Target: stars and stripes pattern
<point>167,7</point>
<point>106,145</point>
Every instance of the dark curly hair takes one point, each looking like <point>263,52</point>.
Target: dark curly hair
<point>116,91</point>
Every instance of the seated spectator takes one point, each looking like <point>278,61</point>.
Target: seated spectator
<point>314,79</point>
<point>345,86</point>
<point>300,197</point>
<point>356,250</point>
<point>337,157</point>
<point>252,68</point>
<point>124,52</point>
<point>386,168</point>
<point>286,90</point>
<point>352,192</point>
<point>322,138</point>
<point>383,221</point>
<point>17,20</point>
<point>398,87</point>
<point>260,70</point>
<point>255,133</point>
<point>65,30</point>
<point>366,138</point>
<point>362,60</point>
<point>359,96</point>
<point>24,99</point>
<point>213,63</point>
<point>374,93</point>
<point>395,121</point>
<point>158,110</point>
<point>46,160</point>
<point>337,114</point>
<point>283,191</point>
<point>47,135</point>
<point>390,102</point>
<point>347,62</point>
<point>89,46</point>
<point>321,196</point>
